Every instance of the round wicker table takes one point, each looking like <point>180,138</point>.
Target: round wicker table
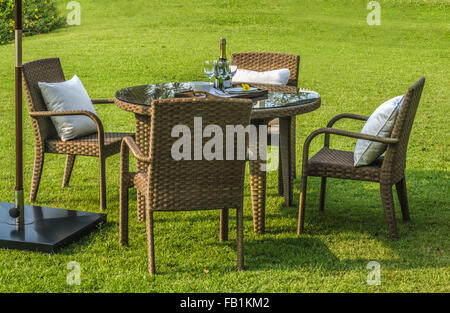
<point>282,102</point>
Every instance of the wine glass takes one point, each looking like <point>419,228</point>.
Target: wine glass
<point>233,70</point>
<point>208,67</point>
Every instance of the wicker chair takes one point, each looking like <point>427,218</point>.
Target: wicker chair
<point>387,171</point>
<point>101,145</point>
<point>184,185</point>
<point>267,61</point>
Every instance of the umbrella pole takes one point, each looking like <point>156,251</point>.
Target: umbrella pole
<point>19,197</point>
<point>44,229</point>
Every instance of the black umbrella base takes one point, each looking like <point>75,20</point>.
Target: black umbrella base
<point>45,229</point>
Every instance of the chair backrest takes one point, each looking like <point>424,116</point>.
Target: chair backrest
<point>395,159</point>
<point>267,61</point>
<point>45,70</point>
<point>195,184</point>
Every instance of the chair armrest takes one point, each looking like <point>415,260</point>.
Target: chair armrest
<point>339,117</point>
<point>346,115</point>
<point>345,133</point>
<point>92,116</point>
<point>129,143</point>
<point>102,101</point>
<point>89,114</point>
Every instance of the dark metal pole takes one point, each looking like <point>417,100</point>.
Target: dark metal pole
<point>45,234</point>
<point>19,123</point>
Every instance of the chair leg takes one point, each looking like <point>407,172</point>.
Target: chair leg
<point>302,202</point>
<point>37,172</point>
<point>280,173</point>
<point>70,161</point>
<point>123,212</point>
<point>285,157</point>
<point>223,236</point>
<point>388,205</point>
<point>293,147</point>
<point>403,198</point>
<point>240,238</point>
<point>323,189</point>
<point>150,243</point>
<point>102,184</point>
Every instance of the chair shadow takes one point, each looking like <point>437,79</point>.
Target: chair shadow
<point>288,253</point>
<point>352,208</point>
<point>355,208</point>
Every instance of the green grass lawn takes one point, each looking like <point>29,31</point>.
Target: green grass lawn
<point>355,67</point>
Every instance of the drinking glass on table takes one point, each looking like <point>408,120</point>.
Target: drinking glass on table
<point>233,70</point>
<point>208,67</point>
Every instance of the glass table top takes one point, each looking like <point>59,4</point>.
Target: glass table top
<point>278,96</point>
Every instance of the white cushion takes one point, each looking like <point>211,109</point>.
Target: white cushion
<point>380,123</point>
<point>276,77</point>
<point>69,96</point>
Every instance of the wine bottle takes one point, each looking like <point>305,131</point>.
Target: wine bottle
<point>222,68</point>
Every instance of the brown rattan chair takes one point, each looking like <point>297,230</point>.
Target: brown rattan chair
<point>101,145</point>
<point>171,185</point>
<point>387,171</point>
<point>267,61</point>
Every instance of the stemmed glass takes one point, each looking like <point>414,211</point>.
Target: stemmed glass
<point>208,67</point>
<point>233,70</point>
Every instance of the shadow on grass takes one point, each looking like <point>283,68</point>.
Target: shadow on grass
<point>353,213</point>
<point>101,232</point>
<point>288,253</point>
<point>293,254</point>
<point>360,202</point>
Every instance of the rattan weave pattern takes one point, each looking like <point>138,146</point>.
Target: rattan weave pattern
<point>101,145</point>
<point>87,146</point>
<point>258,186</point>
<point>142,127</point>
<point>142,123</point>
<point>171,185</point>
<point>339,164</point>
<point>387,171</point>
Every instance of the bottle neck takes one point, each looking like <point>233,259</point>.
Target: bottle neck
<point>223,49</point>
